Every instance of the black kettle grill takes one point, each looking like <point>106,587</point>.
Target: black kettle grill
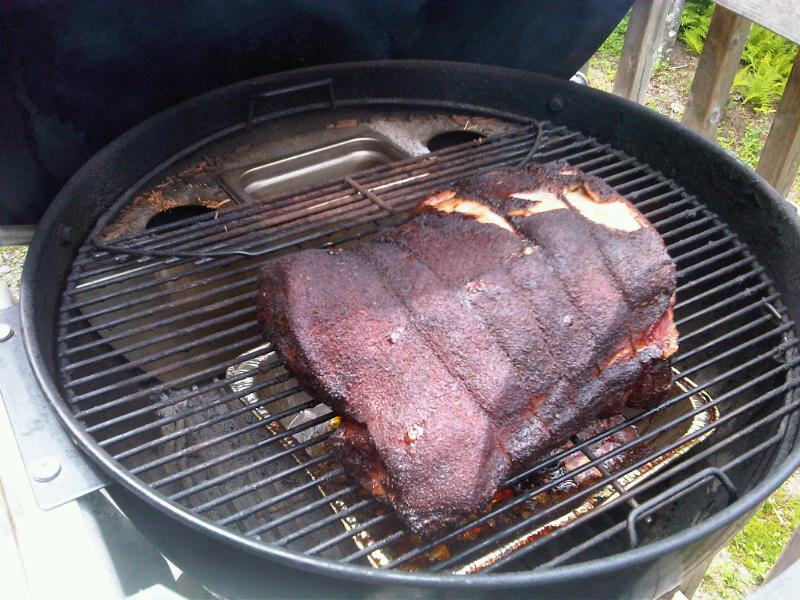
<point>137,301</point>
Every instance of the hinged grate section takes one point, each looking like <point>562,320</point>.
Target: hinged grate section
<point>261,228</point>
<point>164,365</point>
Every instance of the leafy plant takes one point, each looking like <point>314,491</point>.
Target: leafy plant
<point>695,20</point>
<point>748,148</point>
<point>731,583</point>
<point>760,84</point>
<point>750,144</point>
<point>694,39</point>
<point>767,58</point>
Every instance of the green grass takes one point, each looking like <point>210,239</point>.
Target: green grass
<point>613,43</point>
<point>749,557</point>
<point>11,259</point>
<point>761,542</point>
<point>730,583</point>
<point>749,146</point>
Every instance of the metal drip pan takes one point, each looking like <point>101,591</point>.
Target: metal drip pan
<point>334,161</point>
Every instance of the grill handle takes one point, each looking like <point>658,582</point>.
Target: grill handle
<point>655,502</point>
<point>57,470</point>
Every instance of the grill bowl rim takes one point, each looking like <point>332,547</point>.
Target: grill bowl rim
<point>31,311</point>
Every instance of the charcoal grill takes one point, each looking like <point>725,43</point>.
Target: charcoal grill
<point>150,354</point>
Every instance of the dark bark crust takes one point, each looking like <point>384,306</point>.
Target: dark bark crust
<point>460,351</point>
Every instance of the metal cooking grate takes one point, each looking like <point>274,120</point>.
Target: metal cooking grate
<point>262,228</point>
<point>164,365</point>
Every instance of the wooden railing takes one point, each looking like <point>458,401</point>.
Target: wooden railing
<point>780,158</point>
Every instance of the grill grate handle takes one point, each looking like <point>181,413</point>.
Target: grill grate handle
<point>422,175</point>
<point>677,490</point>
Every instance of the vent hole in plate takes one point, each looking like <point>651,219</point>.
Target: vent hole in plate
<point>175,214</point>
<point>452,138</point>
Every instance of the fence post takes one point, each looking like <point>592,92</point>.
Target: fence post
<point>642,40</point>
<point>780,157</point>
<point>718,64</point>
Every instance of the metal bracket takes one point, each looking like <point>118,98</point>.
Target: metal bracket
<point>535,146</point>
<point>57,470</point>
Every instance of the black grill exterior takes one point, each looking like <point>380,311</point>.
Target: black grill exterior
<point>179,426</point>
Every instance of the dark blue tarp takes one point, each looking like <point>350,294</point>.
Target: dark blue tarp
<point>74,75</point>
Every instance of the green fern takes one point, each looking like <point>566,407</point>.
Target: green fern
<point>694,40</point>
<point>767,58</point>
<point>760,83</point>
<point>695,20</point>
